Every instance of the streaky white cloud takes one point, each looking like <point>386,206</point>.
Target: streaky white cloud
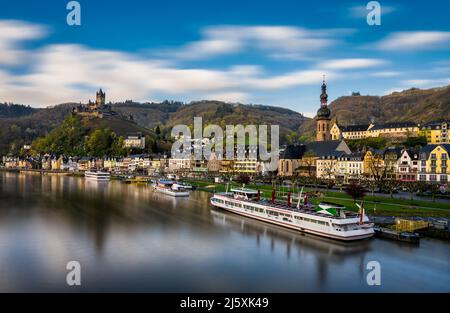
<point>355,63</point>
<point>434,82</point>
<point>12,34</point>
<point>286,42</point>
<point>385,74</point>
<point>60,70</point>
<point>415,41</point>
<point>236,97</point>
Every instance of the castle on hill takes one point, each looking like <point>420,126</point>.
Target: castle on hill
<point>99,108</point>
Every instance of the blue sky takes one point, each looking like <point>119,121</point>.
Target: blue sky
<point>268,52</point>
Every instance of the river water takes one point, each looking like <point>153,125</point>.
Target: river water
<point>129,238</point>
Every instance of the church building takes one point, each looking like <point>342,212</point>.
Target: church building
<point>323,116</point>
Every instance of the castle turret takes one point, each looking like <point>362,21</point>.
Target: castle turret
<point>100,99</point>
<point>323,116</point>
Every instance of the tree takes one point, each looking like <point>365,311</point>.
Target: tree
<point>413,142</point>
<point>434,189</point>
<point>243,179</point>
<point>117,148</point>
<point>355,190</point>
<point>157,130</point>
<point>99,143</point>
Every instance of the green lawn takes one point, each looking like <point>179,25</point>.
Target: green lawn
<point>374,205</point>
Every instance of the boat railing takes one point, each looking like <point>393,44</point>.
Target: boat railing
<point>303,209</point>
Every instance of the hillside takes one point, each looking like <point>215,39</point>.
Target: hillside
<point>19,130</point>
<point>417,105</point>
<point>220,113</point>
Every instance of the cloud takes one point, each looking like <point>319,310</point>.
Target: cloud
<point>12,33</point>
<point>426,82</point>
<point>238,97</point>
<point>283,42</point>
<point>415,41</point>
<point>386,74</point>
<point>60,70</point>
<point>342,64</point>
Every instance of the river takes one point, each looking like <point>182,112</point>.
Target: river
<point>129,238</point>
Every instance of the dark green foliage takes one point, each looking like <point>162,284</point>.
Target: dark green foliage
<point>371,142</point>
<point>15,110</point>
<point>413,142</point>
<point>355,190</point>
<point>67,139</point>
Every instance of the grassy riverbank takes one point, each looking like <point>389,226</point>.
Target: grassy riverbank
<point>374,205</point>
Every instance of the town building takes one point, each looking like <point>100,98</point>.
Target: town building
<point>350,132</point>
<point>290,160</point>
<point>373,164</point>
<point>408,165</point>
<point>436,132</point>
<point>349,167</point>
<point>177,165</point>
<point>434,163</point>
<point>134,141</point>
<point>397,130</point>
<point>391,156</point>
<point>213,163</point>
<point>301,160</point>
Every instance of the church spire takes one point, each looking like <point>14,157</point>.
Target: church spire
<point>323,95</point>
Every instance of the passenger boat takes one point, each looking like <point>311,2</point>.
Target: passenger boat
<point>95,175</point>
<point>326,219</point>
<point>170,188</point>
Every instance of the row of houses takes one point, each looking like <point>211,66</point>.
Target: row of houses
<point>144,163</point>
<point>436,132</point>
<point>333,160</point>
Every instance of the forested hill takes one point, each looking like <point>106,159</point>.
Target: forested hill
<point>22,129</point>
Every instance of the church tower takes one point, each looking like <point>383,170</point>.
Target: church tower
<point>323,116</point>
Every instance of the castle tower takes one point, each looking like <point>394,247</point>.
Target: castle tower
<point>100,99</point>
<point>323,116</point>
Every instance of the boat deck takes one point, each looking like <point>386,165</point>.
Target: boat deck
<point>307,209</point>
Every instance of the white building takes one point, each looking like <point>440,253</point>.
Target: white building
<point>179,165</point>
<point>134,141</point>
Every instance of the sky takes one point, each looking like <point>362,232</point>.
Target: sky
<point>260,52</point>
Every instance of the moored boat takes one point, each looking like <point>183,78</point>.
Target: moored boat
<point>170,188</point>
<point>326,219</point>
<point>95,175</point>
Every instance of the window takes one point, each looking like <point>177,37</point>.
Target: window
<point>444,178</point>
<point>433,177</point>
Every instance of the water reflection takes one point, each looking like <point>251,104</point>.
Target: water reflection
<point>129,238</point>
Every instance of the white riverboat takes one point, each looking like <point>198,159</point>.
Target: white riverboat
<point>99,176</point>
<point>326,219</point>
<point>170,188</point>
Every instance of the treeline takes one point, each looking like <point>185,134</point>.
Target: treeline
<point>9,110</point>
